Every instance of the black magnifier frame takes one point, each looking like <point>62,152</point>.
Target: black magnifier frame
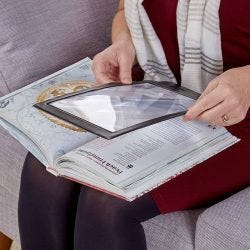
<point>93,128</point>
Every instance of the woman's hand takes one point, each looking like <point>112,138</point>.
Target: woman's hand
<point>115,63</point>
<point>225,101</point>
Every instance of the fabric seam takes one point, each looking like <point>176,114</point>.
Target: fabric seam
<point>5,82</point>
<point>222,233</point>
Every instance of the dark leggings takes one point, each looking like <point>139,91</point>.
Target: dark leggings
<point>57,214</point>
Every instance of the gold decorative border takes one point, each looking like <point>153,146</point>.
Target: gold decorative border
<point>59,90</point>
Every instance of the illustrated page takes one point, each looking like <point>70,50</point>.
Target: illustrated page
<point>52,136</point>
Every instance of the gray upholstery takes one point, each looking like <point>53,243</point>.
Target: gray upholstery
<point>226,226</point>
<point>12,155</point>
<point>39,37</point>
<point>172,231</point>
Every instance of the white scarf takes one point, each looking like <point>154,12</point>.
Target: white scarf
<point>199,39</point>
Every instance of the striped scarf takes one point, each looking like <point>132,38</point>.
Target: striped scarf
<point>199,39</point>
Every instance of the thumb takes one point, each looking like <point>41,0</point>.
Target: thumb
<point>125,70</point>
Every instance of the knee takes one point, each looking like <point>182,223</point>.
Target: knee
<point>40,186</point>
<point>102,207</point>
<point>34,176</point>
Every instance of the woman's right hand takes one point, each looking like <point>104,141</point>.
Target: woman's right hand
<point>115,63</point>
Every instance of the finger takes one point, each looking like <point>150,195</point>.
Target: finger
<point>212,85</point>
<point>101,74</point>
<point>215,114</point>
<point>125,66</point>
<point>232,120</point>
<point>205,103</point>
<point>114,72</point>
<point>103,78</point>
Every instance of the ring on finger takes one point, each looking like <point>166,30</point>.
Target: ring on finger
<point>225,118</point>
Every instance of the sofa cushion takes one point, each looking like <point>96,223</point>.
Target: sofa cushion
<point>172,231</point>
<point>226,225</point>
<point>12,155</point>
<point>8,214</point>
<point>41,37</point>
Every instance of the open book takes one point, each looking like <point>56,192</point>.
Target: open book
<point>127,166</point>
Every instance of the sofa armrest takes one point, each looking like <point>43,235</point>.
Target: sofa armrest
<point>225,225</point>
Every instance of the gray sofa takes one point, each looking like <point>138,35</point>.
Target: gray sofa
<point>39,37</point>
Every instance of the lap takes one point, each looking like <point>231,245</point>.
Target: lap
<point>205,184</point>
<point>210,181</point>
<point>47,190</point>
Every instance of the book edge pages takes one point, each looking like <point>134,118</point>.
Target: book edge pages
<point>134,196</point>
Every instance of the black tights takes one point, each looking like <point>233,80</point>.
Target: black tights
<point>57,214</point>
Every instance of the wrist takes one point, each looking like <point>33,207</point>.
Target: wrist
<point>123,37</point>
<point>125,42</point>
<point>120,30</point>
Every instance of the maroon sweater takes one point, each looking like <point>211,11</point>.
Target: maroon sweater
<point>229,171</point>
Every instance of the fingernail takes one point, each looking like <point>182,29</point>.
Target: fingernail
<point>126,81</point>
<point>186,118</point>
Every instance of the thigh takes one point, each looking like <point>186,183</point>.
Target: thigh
<point>107,222</point>
<point>47,208</point>
<point>104,206</point>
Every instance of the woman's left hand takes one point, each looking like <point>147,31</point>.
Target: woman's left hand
<point>225,101</point>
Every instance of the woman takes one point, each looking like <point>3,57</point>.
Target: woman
<point>68,216</point>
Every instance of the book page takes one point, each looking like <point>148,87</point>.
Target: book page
<point>25,141</point>
<point>53,137</point>
<point>147,182</point>
<point>124,159</point>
